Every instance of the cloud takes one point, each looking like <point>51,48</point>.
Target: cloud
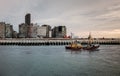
<point>77,15</point>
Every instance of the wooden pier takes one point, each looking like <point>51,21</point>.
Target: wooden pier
<point>43,42</point>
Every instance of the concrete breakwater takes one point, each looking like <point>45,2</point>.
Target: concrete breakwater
<point>43,42</point>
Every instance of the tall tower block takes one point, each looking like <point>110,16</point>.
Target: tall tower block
<point>28,19</point>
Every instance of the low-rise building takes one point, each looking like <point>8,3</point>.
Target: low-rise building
<point>32,31</point>
<point>48,29</point>
<point>15,34</point>
<point>23,30</point>
<point>8,31</point>
<point>41,31</point>
<point>59,31</point>
<point>2,29</point>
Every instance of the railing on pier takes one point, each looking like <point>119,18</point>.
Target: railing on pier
<point>42,42</point>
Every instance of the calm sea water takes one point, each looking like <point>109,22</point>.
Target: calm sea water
<point>56,61</point>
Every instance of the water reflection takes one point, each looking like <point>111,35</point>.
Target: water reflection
<point>57,61</point>
<point>74,51</point>
<point>28,52</point>
<point>80,51</point>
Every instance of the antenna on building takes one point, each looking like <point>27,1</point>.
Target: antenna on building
<point>72,35</point>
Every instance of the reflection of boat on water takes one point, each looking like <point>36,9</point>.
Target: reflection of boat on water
<point>74,46</point>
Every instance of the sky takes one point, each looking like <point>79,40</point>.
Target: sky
<point>100,17</point>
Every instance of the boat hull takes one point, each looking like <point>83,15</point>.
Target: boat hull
<point>73,48</point>
<point>91,47</point>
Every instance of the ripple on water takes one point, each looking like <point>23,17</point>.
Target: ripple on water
<point>56,61</point>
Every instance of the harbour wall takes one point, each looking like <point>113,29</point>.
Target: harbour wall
<point>44,42</point>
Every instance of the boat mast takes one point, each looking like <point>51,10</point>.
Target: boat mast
<point>89,39</point>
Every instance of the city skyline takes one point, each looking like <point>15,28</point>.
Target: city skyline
<point>31,30</point>
<point>100,17</point>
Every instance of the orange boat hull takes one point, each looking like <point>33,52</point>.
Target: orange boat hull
<point>73,48</point>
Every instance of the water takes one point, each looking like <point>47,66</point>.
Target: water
<point>56,61</point>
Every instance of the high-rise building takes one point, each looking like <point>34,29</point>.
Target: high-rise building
<point>59,31</point>
<point>28,19</point>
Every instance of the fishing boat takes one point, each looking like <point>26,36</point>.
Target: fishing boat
<point>74,46</point>
<point>91,46</point>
